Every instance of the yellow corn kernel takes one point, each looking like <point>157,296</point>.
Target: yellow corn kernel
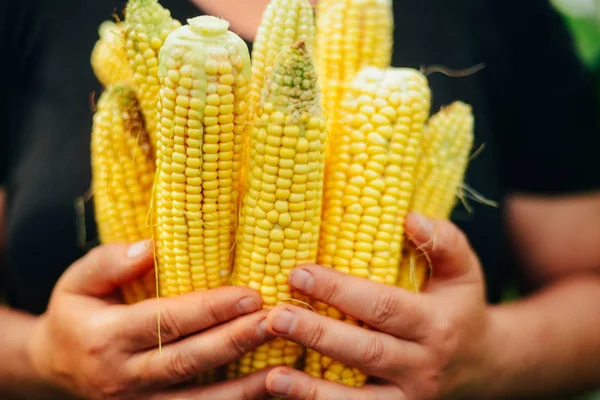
<point>288,134</point>
<point>350,35</point>
<point>284,22</point>
<point>447,141</point>
<point>108,59</point>
<point>369,183</point>
<point>147,25</point>
<point>122,176</point>
<point>203,108</point>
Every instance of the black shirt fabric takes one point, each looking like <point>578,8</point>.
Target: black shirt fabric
<point>534,104</point>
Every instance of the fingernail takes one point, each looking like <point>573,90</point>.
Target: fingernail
<point>262,330</point>
<point>281,385</point>
<point>283,322</point>
<point>424,224</point>
<point>137,249</point>
<point>302,280</point>
<point>246,305</point>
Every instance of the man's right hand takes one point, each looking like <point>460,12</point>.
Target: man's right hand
<point>94,346</point>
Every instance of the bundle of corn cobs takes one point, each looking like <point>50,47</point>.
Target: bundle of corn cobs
<point>239,171</point>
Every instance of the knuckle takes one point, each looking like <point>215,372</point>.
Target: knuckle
<point>113,390</point>
<point>105,254</point>
<point>385,306</point>
<point>181,366</point>
<point>444,342</point>
<point>314,336</point>
<point>97,338</point>
<point>108,385</point>
<point>212,311</point>
<point>312,393</point>
<point>169,326</point>
<point>237,346</point>
<point>432,382</point>
<point>331,291</point>
<point>454,239</point>
<point>97,257</point>
<point>247,393</point>
<point>372,352</point>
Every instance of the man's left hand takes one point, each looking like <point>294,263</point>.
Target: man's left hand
<point>431,345</point>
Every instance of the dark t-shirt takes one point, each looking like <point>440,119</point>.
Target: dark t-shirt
<point>534,105</point>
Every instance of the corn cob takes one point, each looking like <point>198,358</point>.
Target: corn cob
<point>147,25</point>
<point>122,176</point>
<point>284,23</point>
<point>108,58</point>
<point>280,212</point>
<point>351,35</point>
<point>205,75</point>
<point>368,187</point>
<point>447,141</point>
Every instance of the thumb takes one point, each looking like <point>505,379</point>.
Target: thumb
<point>105,268</point>
<point>446,247</point>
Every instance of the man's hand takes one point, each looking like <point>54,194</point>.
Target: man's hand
<point>424,346</point>
<point>94,346</point>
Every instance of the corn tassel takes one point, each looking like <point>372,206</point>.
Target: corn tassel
<point>108,59</point>
<point>447,141</point>
<point>369,184</point>
<point>280,214</point>
<point>147,25</point>
<point>205,75</point>
<point>122,176</point>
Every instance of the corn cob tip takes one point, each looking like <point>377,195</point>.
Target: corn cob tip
<point>300,45</point>
<point>107,28</point>
<point>457,106</point>
<point>150,15</point>
<point>293,83</point>
<point>208,25</point>
<point>140,3</point>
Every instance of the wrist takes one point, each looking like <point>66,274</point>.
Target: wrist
<point>502,357</point>
<point>21,377</point>
<point>479,375</point>
<point>38,372</point>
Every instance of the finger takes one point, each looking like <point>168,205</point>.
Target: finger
<point>446,247</point>
<point>187,358</point>
<point>292,384</point>
<point>105,268</point>
<point>387,308</point>
<point>371,352</point>
<point>250,387</point>
<point>186,314</point>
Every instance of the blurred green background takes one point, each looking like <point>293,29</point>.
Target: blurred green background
<point>583,19</point>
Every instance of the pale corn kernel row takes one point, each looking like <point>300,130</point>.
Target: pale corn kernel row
<point>280,212</point>
<point>147,25</point>
<point>447,141</point>
<point>350,35</point>
<point>369,186</point>
<point>205,74</point>
<point>122,176</point>
<point>284,22</point>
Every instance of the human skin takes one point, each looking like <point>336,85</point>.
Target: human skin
<point>544,345</point>
<point>446,342</point>
<point>88,344</point>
